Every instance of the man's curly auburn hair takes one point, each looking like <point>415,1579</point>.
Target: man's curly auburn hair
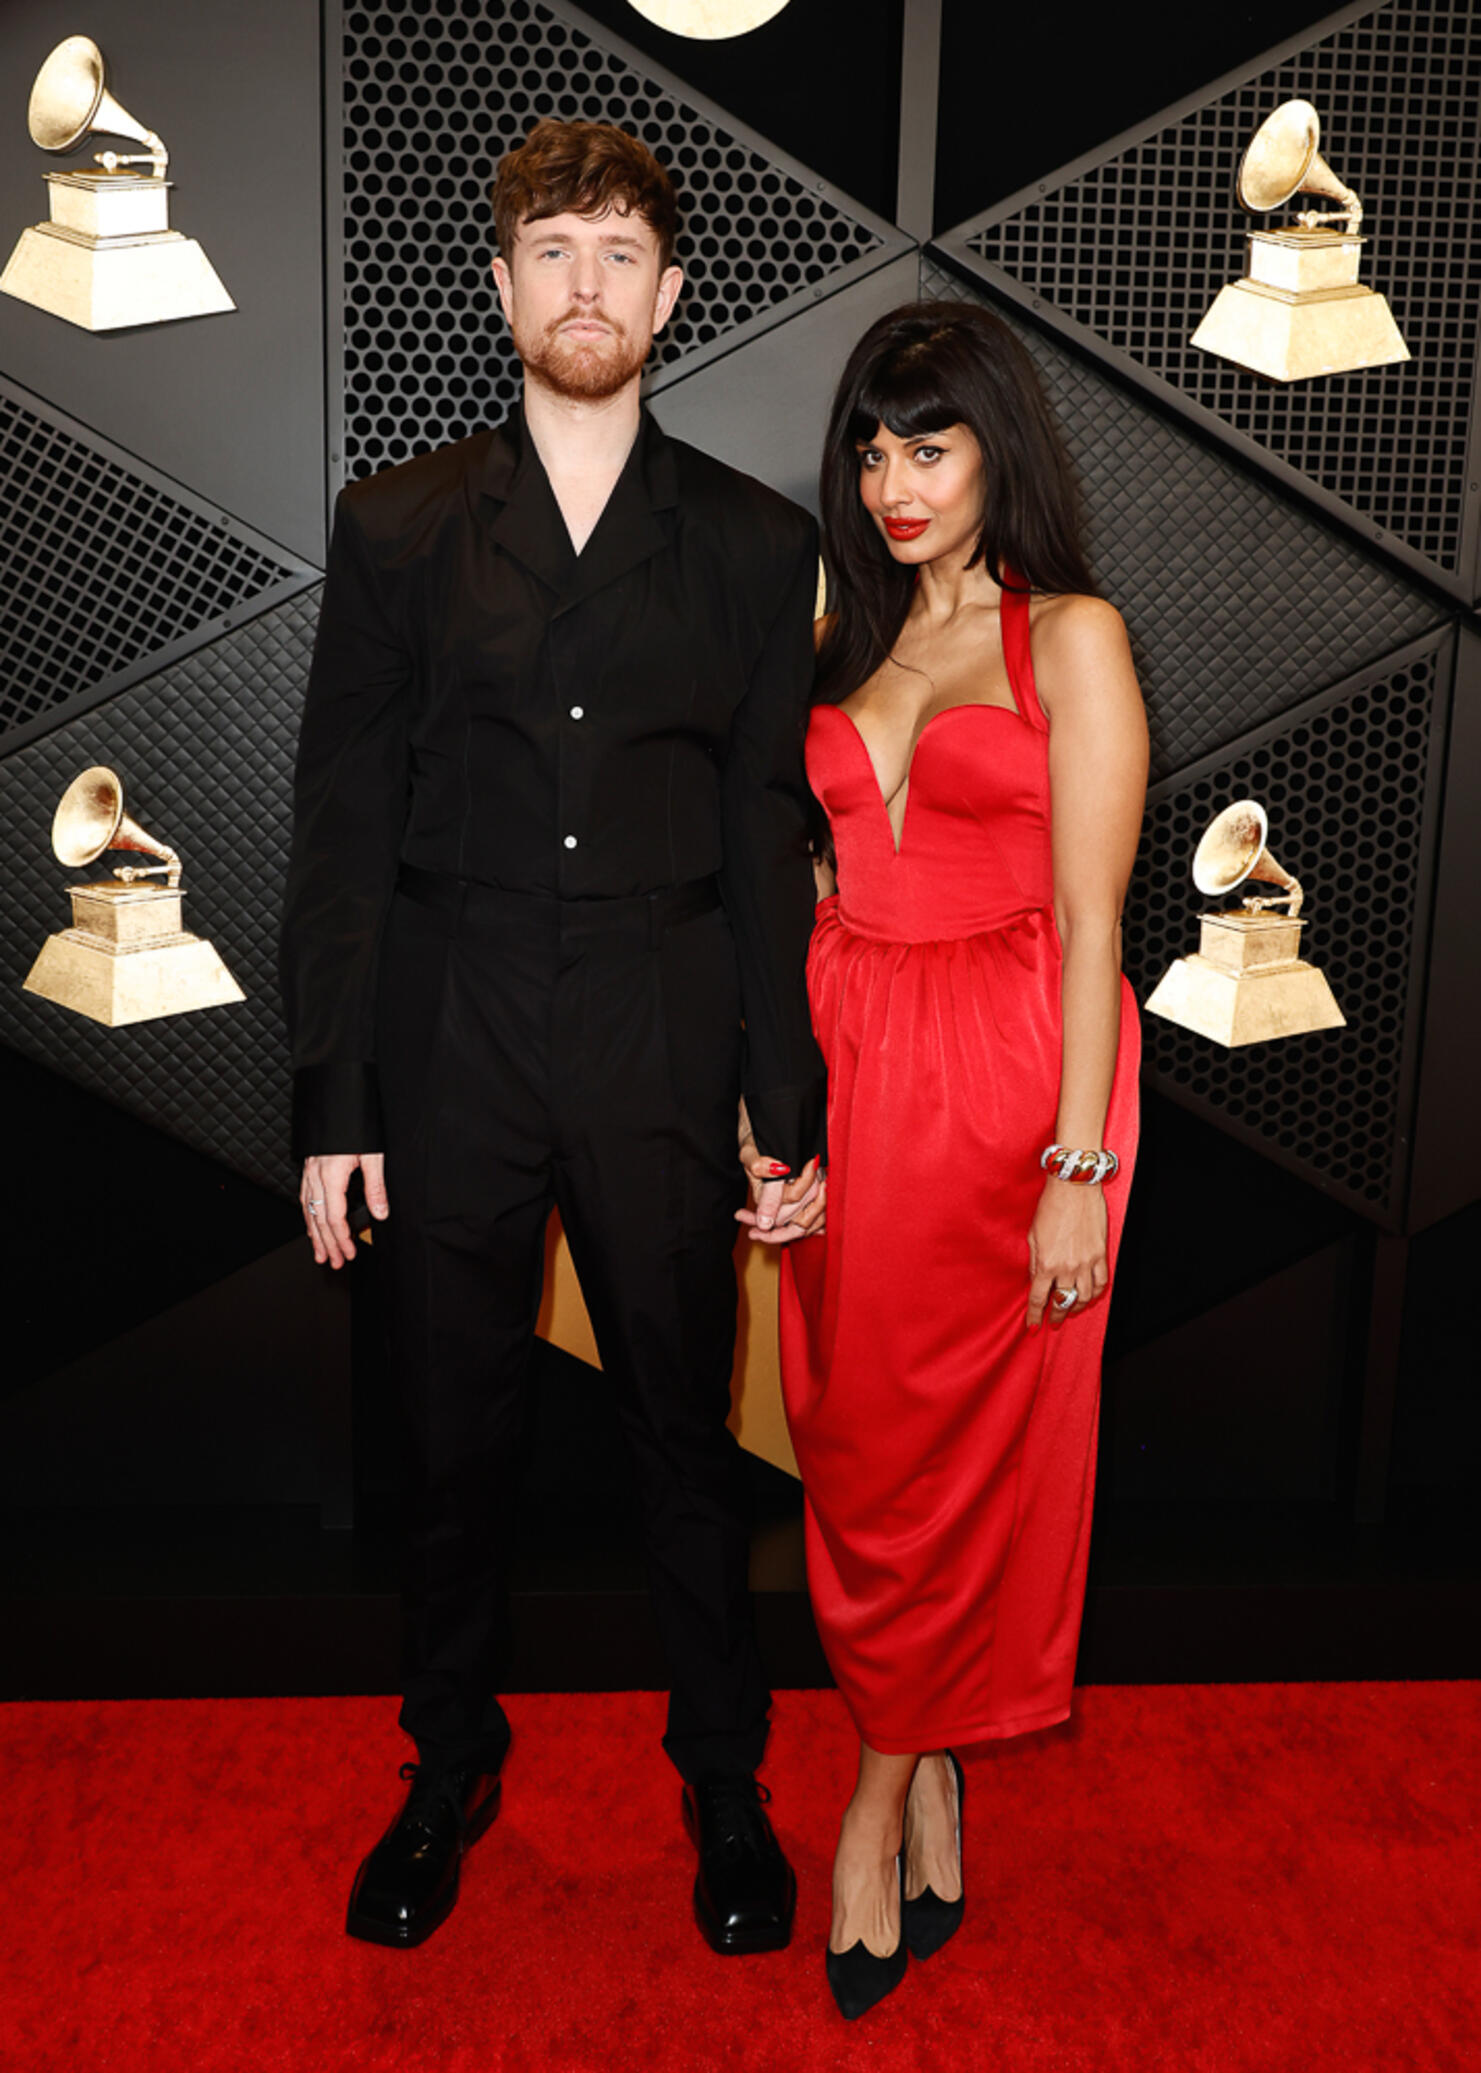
<point>586,168</point>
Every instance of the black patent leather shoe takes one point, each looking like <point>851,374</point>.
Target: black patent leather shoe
<point>859,1978</point>
<point>407,1885</point>
<point>929,1921</point>
<point>745,1893</point>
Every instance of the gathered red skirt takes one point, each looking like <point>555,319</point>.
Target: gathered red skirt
<point>947,1454</point>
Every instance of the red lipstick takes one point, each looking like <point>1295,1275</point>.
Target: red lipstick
<point>905,528</point>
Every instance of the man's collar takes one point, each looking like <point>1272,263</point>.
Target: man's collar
<point>512,461</point>
<point>530,525</point>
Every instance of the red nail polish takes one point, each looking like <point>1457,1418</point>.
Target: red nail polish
<point>778,1167</point>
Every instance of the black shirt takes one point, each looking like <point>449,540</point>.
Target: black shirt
<point>487,704</point>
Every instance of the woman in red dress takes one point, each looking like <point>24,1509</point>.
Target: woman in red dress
<point>980,751</point>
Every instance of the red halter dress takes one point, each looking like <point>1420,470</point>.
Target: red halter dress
<point>947,1454</point>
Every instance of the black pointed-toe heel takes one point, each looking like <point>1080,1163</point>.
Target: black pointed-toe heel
<point>928,1921</point>
<point>858,1978</point>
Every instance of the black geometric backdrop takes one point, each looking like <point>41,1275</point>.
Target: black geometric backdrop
<point>1251,618</point>
<point>1292,564</point>
<point>1127,248</point>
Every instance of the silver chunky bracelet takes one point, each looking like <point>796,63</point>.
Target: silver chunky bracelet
<point>1084,1169</point>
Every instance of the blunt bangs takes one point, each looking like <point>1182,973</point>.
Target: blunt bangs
<point>906,395</point>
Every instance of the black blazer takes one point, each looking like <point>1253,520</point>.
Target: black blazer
<point>486,704</point>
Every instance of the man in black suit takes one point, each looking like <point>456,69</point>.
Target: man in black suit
<point>548,910</point>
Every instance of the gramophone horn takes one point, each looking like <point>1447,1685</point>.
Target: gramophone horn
<point>1233,849</point>
<point>70,101</point>
<point>1282,159</point>
<point>91,819</point>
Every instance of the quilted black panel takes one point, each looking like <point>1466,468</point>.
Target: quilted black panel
<point>1345,782</point>
<point>102,567</point>
<point>1239,604</point>
<point>205,750</point>
<point>434,95</point>
<point>1135,246</point>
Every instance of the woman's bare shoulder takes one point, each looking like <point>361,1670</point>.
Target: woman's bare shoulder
<point>1071,619</point>
<point>1082,656</point>
<point>1076,639</point>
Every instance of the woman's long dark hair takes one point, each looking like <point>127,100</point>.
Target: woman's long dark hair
<point>922,368</point>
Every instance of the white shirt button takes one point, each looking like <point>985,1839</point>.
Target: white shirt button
<point>578,712</point>
<point>570,842</point>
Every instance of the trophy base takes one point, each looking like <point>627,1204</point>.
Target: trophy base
<point>1249,1007</point>
<point>1298,334</point>
<point>169,975</point>
<point>110,284</point>
<point>1233,942</point>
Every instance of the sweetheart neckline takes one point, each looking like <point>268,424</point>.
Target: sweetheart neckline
<point>966,705</point>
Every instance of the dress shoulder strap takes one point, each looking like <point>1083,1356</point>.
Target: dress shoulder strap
<point>1017,653</point>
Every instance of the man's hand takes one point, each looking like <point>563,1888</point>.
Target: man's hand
<point>326,1182</point>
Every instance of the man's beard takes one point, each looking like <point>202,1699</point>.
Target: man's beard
<point>585,369</point>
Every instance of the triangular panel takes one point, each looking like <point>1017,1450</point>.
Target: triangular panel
<point>1127,248</point>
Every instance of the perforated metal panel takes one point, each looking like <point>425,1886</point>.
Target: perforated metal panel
<point>1349,782</point>
<point>1129,247</point>
<point>433,95</point>
<point>205,750</point>
<point>1239,605</point>
<point>102,563</point>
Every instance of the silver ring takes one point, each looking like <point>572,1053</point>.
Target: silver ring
<point>315,1207</point>
<point>1066,1298</point>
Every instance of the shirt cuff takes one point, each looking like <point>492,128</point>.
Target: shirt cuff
<point>336,1108</point>
<point>790,1123</point>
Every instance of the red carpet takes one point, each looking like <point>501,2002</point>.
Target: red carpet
<point>1212,1877</point>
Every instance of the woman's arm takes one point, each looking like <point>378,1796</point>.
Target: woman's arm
<point>1098,781</point>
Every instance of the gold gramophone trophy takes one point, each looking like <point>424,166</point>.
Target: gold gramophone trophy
<point>125,957</point>
<point>1247,982</point>
<point>108,258</point>
<point>1300,310</point>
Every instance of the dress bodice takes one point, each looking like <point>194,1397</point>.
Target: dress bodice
<point>974,851</point>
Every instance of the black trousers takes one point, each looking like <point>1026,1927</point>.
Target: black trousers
<point>583,1054</point>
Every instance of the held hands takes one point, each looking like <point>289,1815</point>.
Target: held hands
<point>322,1195</point>
<point>784,1206</point>
<point>1066,1250</point>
